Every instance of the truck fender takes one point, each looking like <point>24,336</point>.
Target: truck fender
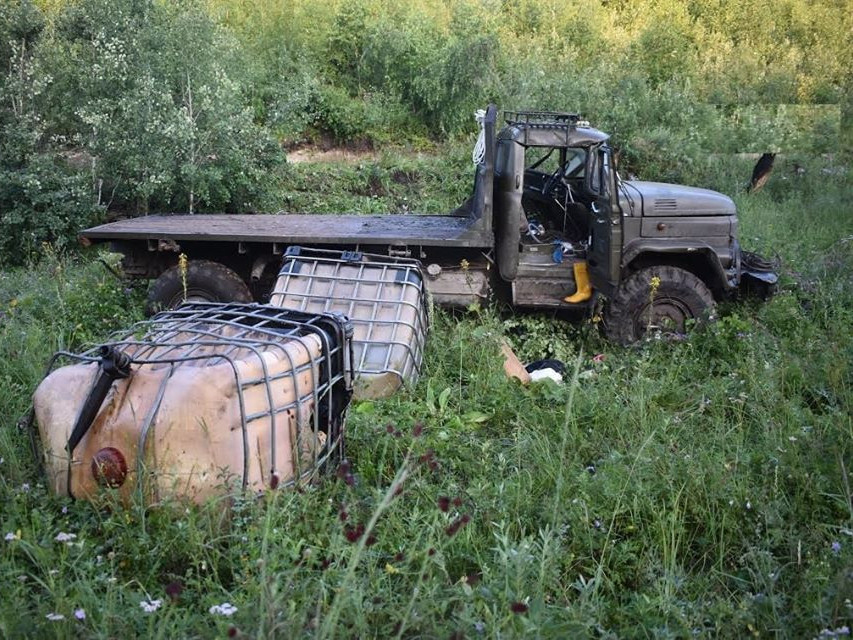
<point>697,257</point>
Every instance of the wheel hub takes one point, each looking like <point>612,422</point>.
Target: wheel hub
<point>663,315</point>
<point>193,295</point>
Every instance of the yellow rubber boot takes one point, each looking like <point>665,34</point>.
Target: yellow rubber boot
<point>583,290</point>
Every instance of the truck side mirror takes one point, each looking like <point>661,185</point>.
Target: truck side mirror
<point>593,172</point>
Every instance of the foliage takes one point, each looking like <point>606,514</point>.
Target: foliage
<point>41,203</point>
<point>684,488</point>
<point>160,110</point>
<point>395,180</point>
<point>41,199</point>
<point>672,489</point>
<point>139,106</point>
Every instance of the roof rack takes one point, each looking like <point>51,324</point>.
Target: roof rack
<point>542,119</point>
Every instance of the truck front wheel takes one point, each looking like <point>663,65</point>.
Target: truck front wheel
<point>206,281</point>
<point>660,299</point>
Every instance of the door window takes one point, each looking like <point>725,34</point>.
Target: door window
<point>604,188</point>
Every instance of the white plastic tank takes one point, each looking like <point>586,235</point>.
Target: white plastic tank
<point>383,297</point>
<point>211,396</point>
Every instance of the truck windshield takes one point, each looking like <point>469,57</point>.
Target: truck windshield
<point>550,159</point>
<point>575,162</point>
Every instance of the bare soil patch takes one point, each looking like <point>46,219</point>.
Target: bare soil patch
<point>319,154</point>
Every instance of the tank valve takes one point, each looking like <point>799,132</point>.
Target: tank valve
<point>114,365</point>
<point>433,270</point>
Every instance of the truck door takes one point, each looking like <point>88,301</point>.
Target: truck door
<point>605,248</point>
<point>509,175</point>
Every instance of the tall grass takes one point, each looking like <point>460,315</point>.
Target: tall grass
<point>696,488</point>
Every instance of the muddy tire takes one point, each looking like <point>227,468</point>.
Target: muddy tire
<point>644,306</point>
<point>207,281</point>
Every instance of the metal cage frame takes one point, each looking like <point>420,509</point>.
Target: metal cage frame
<point>373,270</point>
<point>256,328</point>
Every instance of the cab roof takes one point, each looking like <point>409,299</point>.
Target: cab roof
<point>549,129</point>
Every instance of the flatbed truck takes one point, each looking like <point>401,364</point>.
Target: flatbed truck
<point>550,224</point>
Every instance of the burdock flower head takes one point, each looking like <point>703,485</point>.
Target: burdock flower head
<point>518,607</point>
<point>174,589</point>
<point>344,472</point>
<point>354,533</point>
<point>457,524</point>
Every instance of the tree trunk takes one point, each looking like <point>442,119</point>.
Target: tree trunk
<point>761,172</point>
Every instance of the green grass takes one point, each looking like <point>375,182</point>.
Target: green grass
<point>674,490</point>
<point>398,180</point>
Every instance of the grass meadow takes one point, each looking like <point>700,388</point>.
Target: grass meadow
<point>699,488</point>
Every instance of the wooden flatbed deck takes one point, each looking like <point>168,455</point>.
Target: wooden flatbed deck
<point>438,231</point>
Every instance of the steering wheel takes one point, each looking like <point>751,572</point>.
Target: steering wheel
<point>553,180</point>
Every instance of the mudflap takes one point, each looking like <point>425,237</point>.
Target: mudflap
<point>759,277</point>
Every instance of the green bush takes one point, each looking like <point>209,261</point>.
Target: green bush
<point>159,106</point>
<point>339,114</point>
<point>42,203</point>
<point>42,200</point>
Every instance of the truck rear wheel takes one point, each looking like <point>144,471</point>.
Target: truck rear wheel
<point>661,299</point>
<point>206,281</point>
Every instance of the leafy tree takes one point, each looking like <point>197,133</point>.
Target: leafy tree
<point>41,199</point>
<point>346,44</point>
<point>665,48</point>
<point>160,109</point>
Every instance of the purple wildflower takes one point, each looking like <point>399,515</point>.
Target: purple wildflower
<point>518,607</point>
<point>457,524</point>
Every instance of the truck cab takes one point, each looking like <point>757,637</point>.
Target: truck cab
<point>554,205</point>
<point>661,254</point>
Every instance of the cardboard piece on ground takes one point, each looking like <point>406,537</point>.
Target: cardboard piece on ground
<point>512,365</point>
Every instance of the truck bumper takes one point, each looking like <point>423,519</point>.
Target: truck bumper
<point>758,275</point>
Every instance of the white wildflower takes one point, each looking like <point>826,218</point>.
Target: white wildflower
<point>150,606</point>
<point>225,609</point>
<point>65,537</point>
<point>10,537</point>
